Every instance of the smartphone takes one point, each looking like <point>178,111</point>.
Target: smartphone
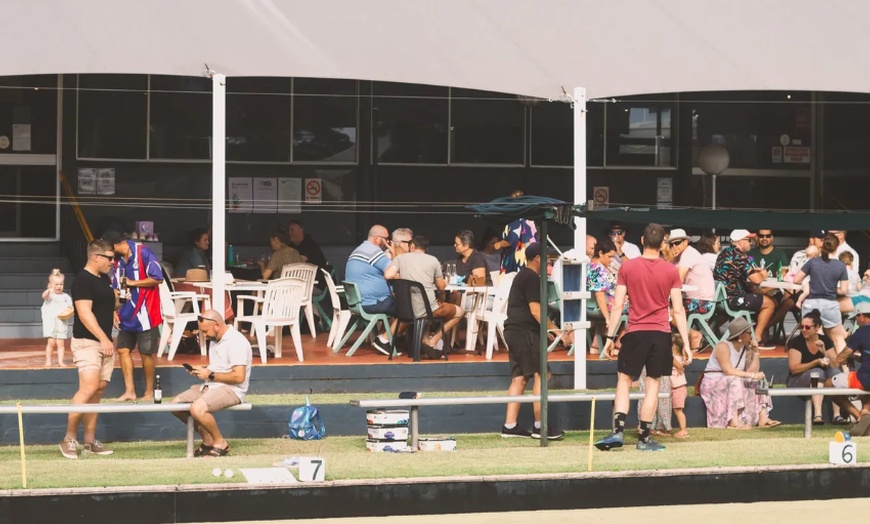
<point>187,366</point>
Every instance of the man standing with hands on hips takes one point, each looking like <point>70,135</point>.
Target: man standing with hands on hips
<point>225,382</point>
<point>651,282</point>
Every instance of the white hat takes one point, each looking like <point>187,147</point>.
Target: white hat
<point>678,234</point>
<point>863,308</point>
<point>740,234</point>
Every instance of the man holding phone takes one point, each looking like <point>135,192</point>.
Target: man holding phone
<point>225,382</point>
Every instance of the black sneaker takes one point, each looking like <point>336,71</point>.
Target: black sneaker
<point>383,347</point>
<point>515,432</point>
<point>552,433</point>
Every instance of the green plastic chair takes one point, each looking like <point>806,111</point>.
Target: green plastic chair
<point>354,304</point>
<point>325,318</point>
<point>722,301</point>
<point>703,320</point>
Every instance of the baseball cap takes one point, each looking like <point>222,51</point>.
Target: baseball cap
<point>740,234</point>
<point>113,237</point>
<point>817,233</point>
<point>533,250</point>
<point>677,234</point>
<point>863,308</point>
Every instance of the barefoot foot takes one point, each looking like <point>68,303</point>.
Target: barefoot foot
<point>681,434</point>
<point>127,397</point>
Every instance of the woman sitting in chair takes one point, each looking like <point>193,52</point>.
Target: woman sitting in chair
<point>729,383</point>
<point>282,254</point>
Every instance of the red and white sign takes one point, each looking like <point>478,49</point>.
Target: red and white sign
<point>796,155</point>
<point>313,191</point>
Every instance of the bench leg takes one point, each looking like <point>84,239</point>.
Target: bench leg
<point>808,417</point>
<point>190,431</point>
<point>414,420</point>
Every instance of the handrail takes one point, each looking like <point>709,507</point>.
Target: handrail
<point>86,230</point>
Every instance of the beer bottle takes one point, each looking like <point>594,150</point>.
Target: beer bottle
<point>158,392</point>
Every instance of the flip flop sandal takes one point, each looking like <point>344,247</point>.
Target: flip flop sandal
<point>818,421</point>
<point>202,450</point>
<point>772,423</point>
<point>840,421</point>
<point>217,452</point>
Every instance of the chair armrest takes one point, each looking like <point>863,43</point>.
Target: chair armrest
<point>240,298</point>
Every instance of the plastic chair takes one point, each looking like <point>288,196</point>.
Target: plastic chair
<point>404,290</point>
<point>340,317</point>
<point>308,273</point>
<point>318,298</point>
<point>722,301</point>
<point>496,317</point>
<point>708,333</point>
<point>354,303</point>
<point>280,307</point>
<point>171,305</point>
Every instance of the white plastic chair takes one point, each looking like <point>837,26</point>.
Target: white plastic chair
<point>495,317</point>
<point>308,273</point>
<point>171,305</point>
<point>340,317</point>
<point>279,308</point>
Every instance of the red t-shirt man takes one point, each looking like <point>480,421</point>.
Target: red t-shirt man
<point>649,283</point>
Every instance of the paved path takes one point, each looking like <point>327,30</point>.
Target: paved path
<point>766,512</point>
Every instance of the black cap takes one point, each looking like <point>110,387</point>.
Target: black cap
<point>533,250</point>
<point>817,233</point>
<point>113,237</point>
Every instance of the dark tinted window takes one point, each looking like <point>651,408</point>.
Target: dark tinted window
<point>112,111</point>
<point>846,130</point>
<point>639,134</point>
<point>486,128</point>
<point>325,128</point>
<point>410,123</point>
<point>28,114</point>
<point>181,109</point>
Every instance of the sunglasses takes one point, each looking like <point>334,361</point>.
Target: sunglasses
<point>107,257</point>
<point>616,232</point>
<point>764,236</point>
<point>807,328</point>
<point>203,319</point>
<point>675,243</point>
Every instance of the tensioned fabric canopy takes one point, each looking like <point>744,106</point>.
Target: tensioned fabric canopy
<point>516,46</point>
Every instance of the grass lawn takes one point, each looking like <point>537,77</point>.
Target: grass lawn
<point>157,463</point>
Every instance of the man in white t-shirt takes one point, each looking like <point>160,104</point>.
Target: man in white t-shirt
<point>841,236</point>
<point>696,273</point>
<point>626,250</point>
<point>225,382</point>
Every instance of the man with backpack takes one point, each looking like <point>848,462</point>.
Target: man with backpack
<point>225,382</point>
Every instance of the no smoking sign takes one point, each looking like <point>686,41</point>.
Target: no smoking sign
<point>313,191</point>
<point>601,195</point>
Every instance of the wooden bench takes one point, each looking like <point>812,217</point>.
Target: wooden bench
<point>414,404</point>
<point>117,408</point>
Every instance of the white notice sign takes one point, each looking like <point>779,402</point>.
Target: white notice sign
<point>290,195</point>
<point>106,181</point>
<point>265,195</point>
<point>87,181</point>
<point>241,195</point>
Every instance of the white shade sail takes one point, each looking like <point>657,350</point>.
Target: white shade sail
<point>612,47</point>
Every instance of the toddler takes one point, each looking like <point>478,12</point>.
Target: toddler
<point>57,308</point>
<point>854,280</point>
<point>678,385</point>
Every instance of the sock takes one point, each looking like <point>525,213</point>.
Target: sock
<point>512,425</point>
<point>644,430</point>
<point>619,422</point>
<point>537,424</point>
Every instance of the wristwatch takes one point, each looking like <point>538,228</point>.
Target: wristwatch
<point>211,376</point>
<point>611,337</point>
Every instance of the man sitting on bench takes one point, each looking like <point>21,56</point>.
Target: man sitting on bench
<point>857,346</point>
<point>225,382</point>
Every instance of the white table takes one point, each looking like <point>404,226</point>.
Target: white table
<point>772,283</point>
<point>242,285</point>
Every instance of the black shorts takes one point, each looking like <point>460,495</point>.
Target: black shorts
<point>386,306</point>
<point>524,353</point>
<point>147,341</point>
<point>748,302</point>
<point>645,348</point>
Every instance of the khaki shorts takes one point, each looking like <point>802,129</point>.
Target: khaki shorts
<point>88,354</point>
<point>216,399</point>
<point>445,311</point>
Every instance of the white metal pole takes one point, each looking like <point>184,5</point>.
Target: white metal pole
<point>580,232</point>
<point>218,184</point>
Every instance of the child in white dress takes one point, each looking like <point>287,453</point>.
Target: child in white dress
<point>57,309</point>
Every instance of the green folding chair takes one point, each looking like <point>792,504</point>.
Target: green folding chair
<point>703,320</point>
<point>722,301</point>
<point>354,304</point>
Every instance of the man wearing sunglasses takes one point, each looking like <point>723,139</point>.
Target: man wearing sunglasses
<point>224,382</point>
<point>626,250</point>
<point>92,348</point>
<point>694,271</point>
<point>766,255</point>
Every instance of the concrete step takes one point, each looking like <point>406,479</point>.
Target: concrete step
<point>31,249</point>
<point>20,330</point>
<point>20,314</point>
<point>26,264</point>
<point>22,297</point>
<point>30,281</point>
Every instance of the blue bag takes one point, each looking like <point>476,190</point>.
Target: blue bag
<point>306,424</point>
